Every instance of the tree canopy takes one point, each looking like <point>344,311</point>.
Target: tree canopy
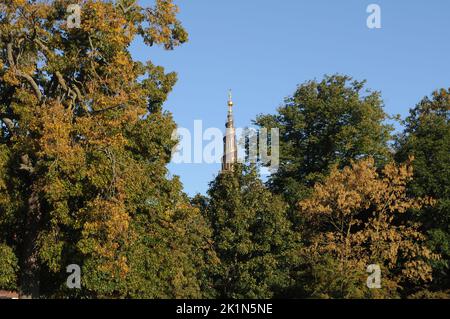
<point>252,236</point>
<point>84,146</point>
<point>83,154</point>
<point>427,138</point>
<point>355,221</point>
<point>323,123</point>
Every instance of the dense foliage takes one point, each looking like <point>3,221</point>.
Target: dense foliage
<point>325,123</point>
<point>427,138</point>
<point>354,221</point>
<point>83,154</point>
<point>252,236</point>
<point>84,148</point>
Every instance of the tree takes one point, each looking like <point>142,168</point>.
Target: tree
<point>8,268</point>
<point>251,234</point>
<point>325,123</point>
<point>83,153</point>
<point>355,221</point>
<point>427,138</point>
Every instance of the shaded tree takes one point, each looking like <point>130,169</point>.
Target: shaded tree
<point>252,236</point>
<point>8,268</point>
<point>427,138</point>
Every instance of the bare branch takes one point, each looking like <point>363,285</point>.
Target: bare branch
<point>33,84</point>
<point>9,124</point>
<point>25,164</point>
<point>30,80</point>
<point>10,56</point>
<point>61,81</point>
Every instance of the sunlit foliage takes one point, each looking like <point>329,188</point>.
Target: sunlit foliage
<point>355,219</point>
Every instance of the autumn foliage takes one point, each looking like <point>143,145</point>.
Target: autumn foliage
<point>84,147</point>
<point>356,220</point>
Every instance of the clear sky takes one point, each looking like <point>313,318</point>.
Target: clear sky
<point>262,49</point>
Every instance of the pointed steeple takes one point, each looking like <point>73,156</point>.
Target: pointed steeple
<point>229,141</point>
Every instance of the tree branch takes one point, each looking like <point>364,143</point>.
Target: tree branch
<point>9,124</point>
<point>30,80</point>
<point>25,164</point>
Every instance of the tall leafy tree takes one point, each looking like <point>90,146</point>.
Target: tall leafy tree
<point>427,138</point>
<point>325,123</point>
<point>355,220</point>
<point>251,234</point>
<point>83,151</point>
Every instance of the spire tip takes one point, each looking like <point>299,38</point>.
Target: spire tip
<point>230,101</point>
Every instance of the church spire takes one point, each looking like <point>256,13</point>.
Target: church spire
<point>229,141</point>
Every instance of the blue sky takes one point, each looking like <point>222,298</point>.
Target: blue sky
<point>262,49</point>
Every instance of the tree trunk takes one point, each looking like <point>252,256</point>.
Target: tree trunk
<point>29,282</point>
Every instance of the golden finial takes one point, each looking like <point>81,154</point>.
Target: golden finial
<point>230,101</point>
